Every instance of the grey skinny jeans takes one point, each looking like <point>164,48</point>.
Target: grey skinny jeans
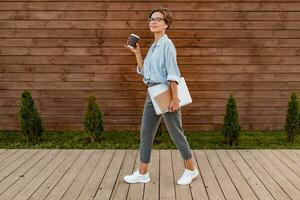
<point>149,126</point>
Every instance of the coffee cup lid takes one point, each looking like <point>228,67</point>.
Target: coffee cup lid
<point>135,35</point>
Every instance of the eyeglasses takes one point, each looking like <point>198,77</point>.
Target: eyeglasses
<point>157,19</point>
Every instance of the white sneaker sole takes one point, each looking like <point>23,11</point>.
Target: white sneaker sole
<point>137,181</point>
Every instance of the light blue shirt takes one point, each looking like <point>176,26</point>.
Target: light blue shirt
<point>160,64</point>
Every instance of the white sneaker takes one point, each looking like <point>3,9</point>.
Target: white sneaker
<point>188,176</point>
<point>136,177</point>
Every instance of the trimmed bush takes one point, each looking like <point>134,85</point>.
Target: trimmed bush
<point>231,125</point>
<point>292,118</point>
<point>93,123</point>
<point>30,120</point>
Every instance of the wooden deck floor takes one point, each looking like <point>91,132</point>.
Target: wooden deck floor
<point>98,174</point>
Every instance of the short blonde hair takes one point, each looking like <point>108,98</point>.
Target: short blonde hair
<point>168,17</point>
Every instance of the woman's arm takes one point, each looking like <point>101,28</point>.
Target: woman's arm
<point>173,75</point>
<point>139,59</point>
<point>174,88</point>
<point>138,55</point>
<point>175,100</point>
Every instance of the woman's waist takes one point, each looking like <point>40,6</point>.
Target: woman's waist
<point>152,84</point>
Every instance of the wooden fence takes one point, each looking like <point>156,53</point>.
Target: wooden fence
<point>64,51</point>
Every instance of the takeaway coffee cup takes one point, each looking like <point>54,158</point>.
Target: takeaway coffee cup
<point>132,40</point>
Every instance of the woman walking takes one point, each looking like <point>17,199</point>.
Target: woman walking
<point>160,66</point>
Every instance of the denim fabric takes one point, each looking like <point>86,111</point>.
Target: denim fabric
<point>149,126</point>
<point>160,64</point>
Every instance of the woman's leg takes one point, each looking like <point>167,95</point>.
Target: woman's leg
<point>189,164</point>
<point>173,123</point>
<point>143,168</point>
<point>149,126</point>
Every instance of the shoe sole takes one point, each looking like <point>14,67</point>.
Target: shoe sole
<point>139,181</point>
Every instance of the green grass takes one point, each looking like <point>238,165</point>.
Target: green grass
<point>130,140</point>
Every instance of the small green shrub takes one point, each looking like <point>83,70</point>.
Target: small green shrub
<point>231,125</point>
<point>30,120</point>
<point>93,123</point>
<point>292,118</point>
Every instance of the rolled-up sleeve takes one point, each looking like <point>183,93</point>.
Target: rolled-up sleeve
<point>173,73</point>
<point>141,72</point>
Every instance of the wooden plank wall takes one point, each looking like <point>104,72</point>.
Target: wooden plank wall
<point>64,51</point>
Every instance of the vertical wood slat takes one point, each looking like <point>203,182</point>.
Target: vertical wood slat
<point>120,191</point>
<point>16,170</point>
<point>166,176</point>
<point>14,164</point>
<point>236,176</point>
<point>264,177</point>
<point>30,188</point>
<point>198,187</point>
<point>282,167</point>
<point>5,154</point>
<point>136,191</point>
<point>282,181</point>
<point>91,187</point>
<point>211,184</point>
<point>294,157</point>
<point>255,183</point>
<point>59,190</point>
<point>292,165</point>
<point>46,187</point>
<point>29,175</point>
<point>81,178</point>
<point>228,188</point>
<point>151,190</point>
<point>182,192</point>
<point>108,183</point>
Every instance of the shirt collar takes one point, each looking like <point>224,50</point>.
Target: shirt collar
<point>160,40</point>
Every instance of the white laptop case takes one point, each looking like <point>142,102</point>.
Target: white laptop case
<point>156,91</point>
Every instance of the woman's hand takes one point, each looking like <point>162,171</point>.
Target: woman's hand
<point>174,105</point>
<point>136,50</point>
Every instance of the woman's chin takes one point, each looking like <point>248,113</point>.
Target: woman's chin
<point>154,30</point>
